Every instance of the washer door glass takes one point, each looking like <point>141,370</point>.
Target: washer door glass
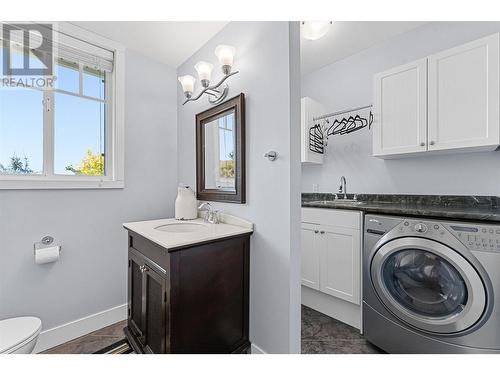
<point>424,283</point>
<point>428,285</point>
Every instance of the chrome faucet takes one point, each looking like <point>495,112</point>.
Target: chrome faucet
<point>343,186</point>
<point>211,215</point>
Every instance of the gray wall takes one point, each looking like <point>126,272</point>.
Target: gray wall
<point>348,83</point>
<point>91,274</point>
<point>269,77</point>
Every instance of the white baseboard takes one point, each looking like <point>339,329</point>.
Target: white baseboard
<point>256,350</point>
<point>72,330</point>
<point>336,308</point>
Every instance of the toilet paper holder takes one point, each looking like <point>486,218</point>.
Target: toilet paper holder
<point>44,245</point>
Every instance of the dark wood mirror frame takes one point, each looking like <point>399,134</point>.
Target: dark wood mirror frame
<point>236,104</point>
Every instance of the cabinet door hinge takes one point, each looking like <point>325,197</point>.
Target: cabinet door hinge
<point>129,311</point>
<point>165,297</point>
<point>129,263</point>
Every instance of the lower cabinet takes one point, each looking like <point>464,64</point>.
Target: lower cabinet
<point>310,248</point>
<point>190,300</point>
<point>340,262</point>
<point>331,253</point>
<point>147,303</point>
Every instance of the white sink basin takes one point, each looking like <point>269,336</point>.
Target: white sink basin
<point>182,228</point>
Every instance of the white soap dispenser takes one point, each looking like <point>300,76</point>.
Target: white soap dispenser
<point>186,207</point>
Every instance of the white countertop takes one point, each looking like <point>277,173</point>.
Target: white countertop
<point>228,227</point>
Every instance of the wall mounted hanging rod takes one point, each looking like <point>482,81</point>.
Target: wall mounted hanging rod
<point>341,112</point>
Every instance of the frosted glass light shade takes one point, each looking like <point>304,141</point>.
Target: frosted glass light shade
<point>314,30</point>
<point>204,70</point>
<point>225,54</point>
<point>187,83</point>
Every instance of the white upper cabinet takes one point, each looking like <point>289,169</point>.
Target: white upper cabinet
<point>309,109</point>
<point>464,96</point>
<point>447,102</point>
<point>400,110</point>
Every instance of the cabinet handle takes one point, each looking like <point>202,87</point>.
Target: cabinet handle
<point>422,144</point>
<point>432,143</point>
<point>322,232</point>
<point>316,231</point>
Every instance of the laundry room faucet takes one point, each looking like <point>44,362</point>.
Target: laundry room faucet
<point>343,186</point>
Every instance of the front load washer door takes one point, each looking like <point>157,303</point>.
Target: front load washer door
<point>428,285</point>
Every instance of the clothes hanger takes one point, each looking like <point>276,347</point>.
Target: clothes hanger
<point>349,125</point>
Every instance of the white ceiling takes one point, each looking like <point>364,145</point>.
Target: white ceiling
<point>171,43</point>
<point>346,38</point>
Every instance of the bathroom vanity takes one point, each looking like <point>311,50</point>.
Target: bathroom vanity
<point>188,286</point>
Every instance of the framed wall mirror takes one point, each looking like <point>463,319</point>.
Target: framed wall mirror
<point>220,152</point>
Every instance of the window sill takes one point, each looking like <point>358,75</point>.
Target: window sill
<point>41,184</point>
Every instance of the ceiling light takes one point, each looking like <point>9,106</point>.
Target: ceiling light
<point>314,30</point>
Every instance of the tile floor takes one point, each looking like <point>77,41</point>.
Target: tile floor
<point>324,335</point>
<point>92,342</point>
<point>320,335</point>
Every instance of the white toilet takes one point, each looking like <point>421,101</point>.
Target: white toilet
<point>19,335</point>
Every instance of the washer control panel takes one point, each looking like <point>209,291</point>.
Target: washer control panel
<point>480,237</point>
<point>420,227</point>
<point>477,237</point>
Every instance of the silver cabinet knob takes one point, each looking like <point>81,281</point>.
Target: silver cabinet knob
<point>316,231</point>
<point>422,143</point>
<point>432,143</point>
<point>322,232</point>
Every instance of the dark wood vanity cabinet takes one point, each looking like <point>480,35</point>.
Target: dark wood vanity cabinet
<point>188,300</point>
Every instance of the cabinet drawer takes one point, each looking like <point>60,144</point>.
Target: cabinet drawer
<point>153,252</point>
<point>340,218</point>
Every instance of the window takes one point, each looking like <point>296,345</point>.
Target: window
<point>68,134</point>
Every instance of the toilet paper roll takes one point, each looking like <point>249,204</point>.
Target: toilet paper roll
<point>47,255</point>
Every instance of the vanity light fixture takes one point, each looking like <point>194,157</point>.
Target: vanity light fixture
<point>314,30</point>
<point>218,92</point>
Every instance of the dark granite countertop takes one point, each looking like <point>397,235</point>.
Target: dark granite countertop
<point>461,207</point>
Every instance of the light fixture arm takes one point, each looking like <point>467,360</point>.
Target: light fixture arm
<point>212,88</point>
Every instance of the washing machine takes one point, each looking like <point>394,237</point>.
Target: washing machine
<point>431,286</point>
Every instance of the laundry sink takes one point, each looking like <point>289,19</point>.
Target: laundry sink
<point>339,202</point>
<point>182,227</point>
<point>347,201</point>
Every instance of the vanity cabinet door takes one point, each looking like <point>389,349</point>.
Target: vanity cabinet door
<point>136,322</point>
<point>309,256</point>
<point>340,257</point>
<point>155,311</point>
<point>400,110</point>
<point>148,304</point>
<point>464,95</point>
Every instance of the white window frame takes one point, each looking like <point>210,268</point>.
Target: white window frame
<point>114,131</point>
